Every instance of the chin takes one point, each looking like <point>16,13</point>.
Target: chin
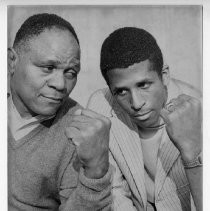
<point>144,126</point>
<point>140,123</point>
<point>49,112</point>
<point>143,123</point>
<point>46,111</point>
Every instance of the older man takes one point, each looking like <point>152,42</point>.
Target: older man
<point>51,168</point>
<point>155,140</point>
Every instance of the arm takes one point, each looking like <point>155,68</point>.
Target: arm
<point>121,193</point>
<point>194,176</point>
<point>89,132</point>
<point>183,125</point>
<point>120,190</point>
<point>77,192</point>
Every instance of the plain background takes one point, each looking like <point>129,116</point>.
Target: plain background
<point>177,29</point>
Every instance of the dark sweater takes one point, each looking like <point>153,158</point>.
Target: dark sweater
<point>42,175</point>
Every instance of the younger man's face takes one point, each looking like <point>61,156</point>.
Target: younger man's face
<point>140,92</point>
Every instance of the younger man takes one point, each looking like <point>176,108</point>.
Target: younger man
<point>155,151</point>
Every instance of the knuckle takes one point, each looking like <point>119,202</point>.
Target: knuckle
<point>173,100</point>
<point>83,111</point>
<point>187,104</point>
<point>183,96</point>
<point>99,123</point>
<point>67,132</point>
<point>196,102</point>
<point>107,121</point>
<point>88,132</point>
<point>104,121</point>
<point>91,129</point>
<point>73,117</point>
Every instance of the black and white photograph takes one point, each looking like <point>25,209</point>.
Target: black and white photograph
<point>105,107</point>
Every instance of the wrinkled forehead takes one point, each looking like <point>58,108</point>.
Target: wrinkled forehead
<point>27,41</point>
<point>54,37</point>
<point>54,44</point>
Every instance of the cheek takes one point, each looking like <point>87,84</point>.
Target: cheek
<point>70,84</point>
<point>24,80</point>
<point>158,99</point>
<point>124,103</point>
<point>33,82</point>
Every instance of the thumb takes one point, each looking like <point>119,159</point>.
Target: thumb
<point>78,112</point>
<point>165,115</point>
<point>77,163</point>
<point>73,135</point>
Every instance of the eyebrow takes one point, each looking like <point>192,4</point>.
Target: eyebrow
<point>73,62</point>
<point>146,80</point>
<point>53,62</point>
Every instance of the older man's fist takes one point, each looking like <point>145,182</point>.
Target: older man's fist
<point>90,133</point>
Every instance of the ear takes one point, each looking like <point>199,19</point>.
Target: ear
<point>165,75</point>
<point>12,58</point>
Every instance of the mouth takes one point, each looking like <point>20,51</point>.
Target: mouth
<point>53,99</point>
<point>142,116</point>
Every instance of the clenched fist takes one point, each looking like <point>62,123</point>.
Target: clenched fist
<point>89,131</point>
<point>183,124</point>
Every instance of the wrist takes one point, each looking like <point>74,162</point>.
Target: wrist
<point>97,168</point>
<point>195,162</point>
<point>96,172</point>
<point>190,152</point>
<point>188,157</point>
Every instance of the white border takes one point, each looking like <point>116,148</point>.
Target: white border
<point>105,2</point>
<point>3,85</point>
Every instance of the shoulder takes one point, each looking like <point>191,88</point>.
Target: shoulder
<point>101,94</point>
<point>177,87</point>
<point>101,101</point>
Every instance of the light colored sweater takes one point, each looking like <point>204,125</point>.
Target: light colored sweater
<point>43,174</point>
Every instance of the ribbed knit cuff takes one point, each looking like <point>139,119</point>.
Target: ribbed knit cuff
<point>97,184</point>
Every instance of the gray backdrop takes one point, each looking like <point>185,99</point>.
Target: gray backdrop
<point>177,29</point>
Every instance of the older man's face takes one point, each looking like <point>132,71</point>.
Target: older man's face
<point>45,74</point>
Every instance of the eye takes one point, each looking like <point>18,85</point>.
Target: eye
<point>70,74</point>
<point>48,68</point>
<point>120,92</point>
<point>144,85</point>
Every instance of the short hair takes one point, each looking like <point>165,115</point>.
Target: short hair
<point>129,45</point>
<point>36,24</point>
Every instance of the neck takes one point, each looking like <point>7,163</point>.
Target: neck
<point>146,133</point>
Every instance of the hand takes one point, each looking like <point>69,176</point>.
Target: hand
<point>89,131</point>
<point>183,125</point>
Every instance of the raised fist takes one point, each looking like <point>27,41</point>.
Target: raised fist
<point>89,131</point>
<point>183,118</point>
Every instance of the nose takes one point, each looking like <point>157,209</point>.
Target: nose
<point>57,81</point>
<point>137,101</point>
